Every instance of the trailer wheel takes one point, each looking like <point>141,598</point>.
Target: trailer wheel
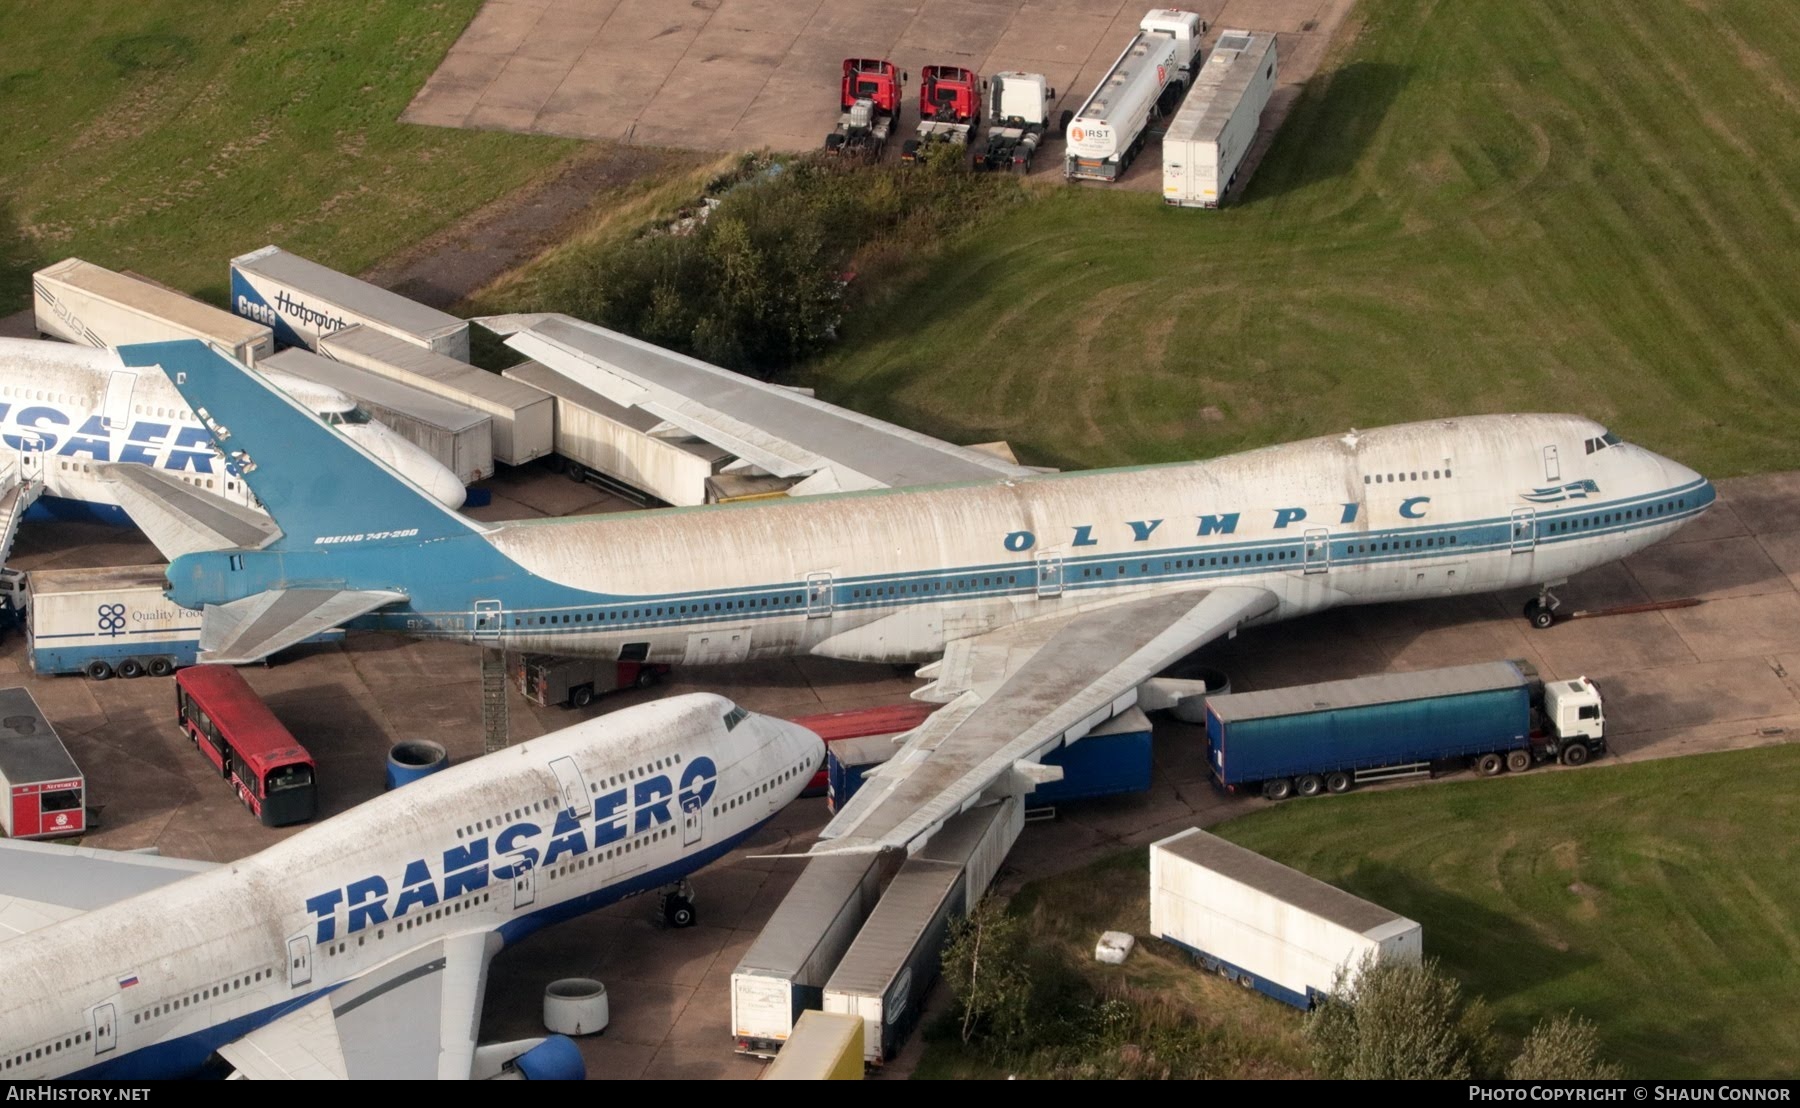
<point>646,677</point>
<point>162,667</point>
<point>1518,761</point>
<point>581,696</point>
<point>98,670</point>
<point>1489,764</point>
<point>576,472</point>
<point>1575,754</point>
<point>1279,788</point>
<point>1310,785</point>
<point>1337,782</point>
<point>131,667</point>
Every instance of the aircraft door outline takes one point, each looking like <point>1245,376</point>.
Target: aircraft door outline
<point>31,455</point>
<point>693,822</point>
<point>1315,552</point>
<point>1050,574</point>
<point>1552,465</point>
<point>105,1022</point>
<point>1524,530</point>
<point>819,600</point>
<point>299,953</point>
<point>489,617</point>
<point>116,409</point>
<point>574,787</point>
<point>524,883</point>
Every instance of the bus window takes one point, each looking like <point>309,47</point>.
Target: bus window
<point>271,772</point>
<point>62,800</point>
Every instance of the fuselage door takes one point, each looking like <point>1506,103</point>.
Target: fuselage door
<point>488,619</point>
<point>693,821</point>
<point>31,454</point>
<point>1316,550</point>
<point>1524,529</point>
<point>105,1028</point>
<point>1552,467</point>
<point>574,788</point>
<point>818,595</point>
<point>299,952</point>
<point>116,414</point>
<point>1049,574</point>
<point>524,883</point>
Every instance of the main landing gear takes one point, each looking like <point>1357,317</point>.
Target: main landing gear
<point>1541,612</point>
<point>678,905</point>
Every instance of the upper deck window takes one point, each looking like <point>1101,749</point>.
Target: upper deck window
<point>734,717</point>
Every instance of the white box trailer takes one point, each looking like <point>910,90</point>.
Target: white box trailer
<point>1155,65</point>
<point>81,302</point>
<point>1264,925</point>
<point>461,438</point>
<point>594,434</point>
<point>524,426</point>
<point>891,966</point>
<point>304,302</point>
<point>784,972</point>
<point>1216,127</point>
<point>105,621</point>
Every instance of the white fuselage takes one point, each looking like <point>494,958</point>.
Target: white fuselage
<point>71,408</point>
<point>615,806</point>
<point>1414,511</point>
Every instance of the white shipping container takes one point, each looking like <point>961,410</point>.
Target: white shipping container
<point>84,303</point>
<point>1217,125</point>
<point>459,437</point>
<point>784,972</point>
<point>304,302</point>
<point>1266,925</point>
<point>524,425</point>
<point>594,432</point>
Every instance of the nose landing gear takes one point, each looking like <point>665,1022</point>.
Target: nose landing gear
<point>1541,612</point>
<point>678,905</point>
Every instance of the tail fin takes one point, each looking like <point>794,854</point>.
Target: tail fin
<point>318,485</point>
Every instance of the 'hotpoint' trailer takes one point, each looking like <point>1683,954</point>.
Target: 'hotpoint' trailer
<point>1145,82</point>
<point>80,302</point>
<point>42,792</point>
<point>304,302</point>
<point>1216,127</point>
<point>1264,925</point>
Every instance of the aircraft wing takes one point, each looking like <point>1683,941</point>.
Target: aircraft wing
<point>44,883</point>
<point>255,627</point>
<point>181,519</point>
<point>1019,693</point>
<point>413,1018</point>
<point>779,430</point>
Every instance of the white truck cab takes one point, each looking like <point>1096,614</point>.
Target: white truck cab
<point>1573,710</point>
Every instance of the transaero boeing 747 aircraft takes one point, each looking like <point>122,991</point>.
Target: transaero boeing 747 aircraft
<point>359,947</point>
<point>1040,603</point>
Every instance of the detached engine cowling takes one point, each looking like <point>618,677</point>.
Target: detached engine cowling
<point>555,1058</point>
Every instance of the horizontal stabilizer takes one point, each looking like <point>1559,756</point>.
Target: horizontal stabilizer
<point>255,627</point>
<point>181,519</point>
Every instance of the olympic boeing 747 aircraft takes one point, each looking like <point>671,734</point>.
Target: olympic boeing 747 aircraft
<point>1040,603</point>
<point>359,947</point>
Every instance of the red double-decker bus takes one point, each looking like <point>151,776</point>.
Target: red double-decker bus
<point>272,772</point>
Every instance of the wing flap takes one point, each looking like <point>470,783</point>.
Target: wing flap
<point>255,627</point>
<point>1029,689</point>
<point>181,519</point>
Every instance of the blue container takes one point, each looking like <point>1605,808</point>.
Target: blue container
<point>415,758</point>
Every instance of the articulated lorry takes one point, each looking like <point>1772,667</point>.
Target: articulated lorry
<point>1310,739</point>
<point>1145,83</point>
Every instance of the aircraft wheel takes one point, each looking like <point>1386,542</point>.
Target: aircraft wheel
<point>581,696</point>
<point>1337,782</point>
<point>98,670</point>
<point>1518,761</point>
<point>678,911</point>
<point>1489,765</point>
<point>1310,785</point>
<point>1278,789</point>
<point>1575,754</point>
<point>131,667</point>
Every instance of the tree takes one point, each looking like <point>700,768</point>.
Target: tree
<point>985,966</point>
<point>1398,1020</point>
<point>1566,1048</point>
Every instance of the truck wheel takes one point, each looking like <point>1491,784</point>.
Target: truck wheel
<point>581,696</point>
<point>1518,761</point>
<point>131,667</point>
<point>555,463</point>
<point>1575,754</point>
<point>1310,785</point>
<point>98,670</point>
<point>1278,789</point>
<point>576,472</point>
<point>1337,782</point>
<point>162,667</point>
<point>1489,765</point>
<point>646,677</point>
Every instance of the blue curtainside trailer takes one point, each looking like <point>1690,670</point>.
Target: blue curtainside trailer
<point>1327,737</point>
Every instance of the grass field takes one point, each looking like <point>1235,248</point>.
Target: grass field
<point>170,137</point>
<point>1485,205</point>
<point>1659,899</point>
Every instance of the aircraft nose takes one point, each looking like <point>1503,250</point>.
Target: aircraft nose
<point>805,741</point>
<point>1695,488</point>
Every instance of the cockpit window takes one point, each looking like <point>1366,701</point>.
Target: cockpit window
<point>1610,439</point>
<point>1604,441</point>
<point>734,717</point>
<point>354,417</point>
